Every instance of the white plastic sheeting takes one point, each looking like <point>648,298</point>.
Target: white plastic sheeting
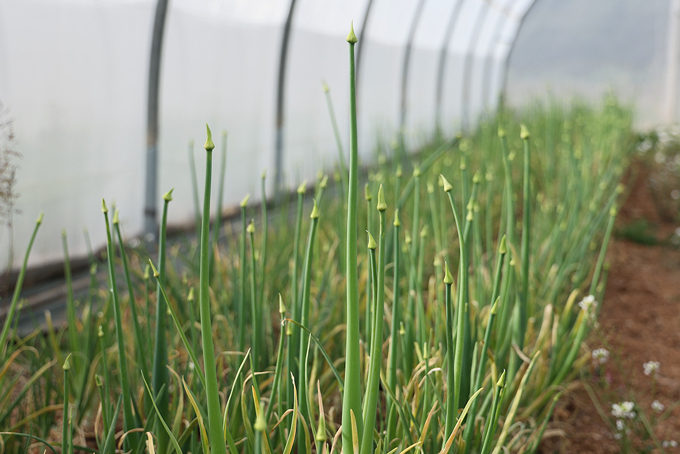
<point>74,73</point>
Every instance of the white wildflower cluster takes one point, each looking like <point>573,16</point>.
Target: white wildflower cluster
<point>651,368</point>
<point>658,406</point>
<point>623,410</point>
<point>601,355</point>
<point>669,444</point>
<point>588,305</point>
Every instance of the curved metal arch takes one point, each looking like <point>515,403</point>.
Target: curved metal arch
<point>280,99</point>
<point>489,54</point>
<point>151,190</point>
<point>469,61</point>
<point>441,65</point>
<point>362,45</point>
<point>404,70</point>
<point>522,11</point>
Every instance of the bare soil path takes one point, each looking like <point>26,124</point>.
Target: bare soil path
<point>639,322</point>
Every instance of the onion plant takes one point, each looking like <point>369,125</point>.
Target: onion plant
<point>472,320</point>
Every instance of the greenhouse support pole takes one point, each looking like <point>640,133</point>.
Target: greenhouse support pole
<point>470,61</point>
<point>441,65</point>
<point>489,56</point>
<point>673,62</point>
<point>404,70</point>
<point>150,202</point>
<point>506,63</point>
<point>362,44</point>
<point>280,97</point>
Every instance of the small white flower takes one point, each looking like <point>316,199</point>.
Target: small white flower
<point>600,355</point>
<point>651,367</point>
<point>191,365</point>
<point>623,410</point>
<point>669,444</point>
<point>675,194</point>
<point>618,436</point>
<point>673,443</point>
<point>619,425</point>
<point>588,305</point>
<point>658,406</point>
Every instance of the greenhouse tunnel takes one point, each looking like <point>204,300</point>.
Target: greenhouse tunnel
<point>74,77</point>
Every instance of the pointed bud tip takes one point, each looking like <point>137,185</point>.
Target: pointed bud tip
<point>251,227</point>
<point>448,278</point>
<point>494,308</point>
<point>501,381</point>
<point>352,38</point>
<point>40,218</point>
<point>315,211</point>
<point>477,178</point>
<point>104,209</point>
<point>524,132</point>
<point>501,132</point>
<point>153,269</point>
<point>302,188</point>
<point>367,192</point>
<point>282,307</point>
<point>371,241</point>
<point>168,195</point>
<point>503,248</point>
<point>445,182</point>
<point>115,217</point>
<point>209,145</point>
<point>382,206</point>
<point>244,202</point>
<point>397,222</point>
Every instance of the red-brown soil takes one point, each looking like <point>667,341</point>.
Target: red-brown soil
<point>639,322</point>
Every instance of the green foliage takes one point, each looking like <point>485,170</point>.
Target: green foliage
<point>469,350</point>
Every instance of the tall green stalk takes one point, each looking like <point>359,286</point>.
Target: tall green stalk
<point>294,339</point>
<point>70,303</point>
<point>160,376</point>
<point>215,435</point>
<point>9,319</point>
<point>257,341</point>
<point>372,388</point>
<point>392,355</point>
<point>139,342</point>
<point>305,312</point>
<point>242,277</point>
<point>128,417</point>
<point>526,237</point>
<point>351,399</point>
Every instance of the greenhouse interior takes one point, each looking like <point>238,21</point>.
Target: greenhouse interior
<point>323,226</point>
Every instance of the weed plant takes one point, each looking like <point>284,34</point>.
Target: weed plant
<point>440,316</point>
